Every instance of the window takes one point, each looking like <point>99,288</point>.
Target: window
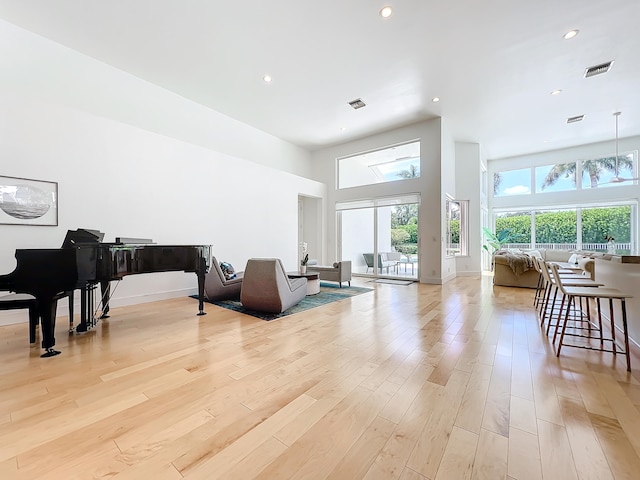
<point>556,178</point>
<point>519,223</point>
<point>582,228</point>
<point>512,182</point>
<point>602,222</point>
<point>600,172</point>
<point>457,227</point>
<point>606,172</point>
<point>556,229</point>
<point>390,164</point>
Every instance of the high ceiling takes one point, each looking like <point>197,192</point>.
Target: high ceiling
<point>493,64</point>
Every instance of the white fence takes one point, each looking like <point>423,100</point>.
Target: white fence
<point>591,247</point>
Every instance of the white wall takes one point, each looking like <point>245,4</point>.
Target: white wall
<point>448,179</point>
<point>468,180</point>
<point>429,186</point>
<point>117,173</point>
<point>43,70</point>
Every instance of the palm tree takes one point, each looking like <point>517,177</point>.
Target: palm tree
<point>594,168</point>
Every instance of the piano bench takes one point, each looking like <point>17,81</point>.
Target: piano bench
<point>15,301</point>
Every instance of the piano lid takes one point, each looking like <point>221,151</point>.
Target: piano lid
<point>82,236</point>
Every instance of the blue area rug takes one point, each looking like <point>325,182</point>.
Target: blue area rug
<point>329,292</point>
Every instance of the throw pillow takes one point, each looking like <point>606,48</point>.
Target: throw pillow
<point>227,270</point>
<point>573,259</point>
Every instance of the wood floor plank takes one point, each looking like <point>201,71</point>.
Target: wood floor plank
<point>522,415</point>
<point>491,456</point>
<point>590,460</point>
<point>497,410</point>
<point>473,402</point>
<point>521,383</point>
<point>624,410</point>
<point>358,460</point>
<point>394,455</point>
<point>459,456</point>
<point>555,452</point>
<point>414,383</point>
<point>621,456</point>
<point>217,465</point>
<point>544,391</point>
<point>431,444</point>
<point>591,395</point>
<point>524,456</point>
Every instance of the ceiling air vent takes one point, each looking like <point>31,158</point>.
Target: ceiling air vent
<point>357,103</point>
<point>598,69</point>
<point>579,118</point>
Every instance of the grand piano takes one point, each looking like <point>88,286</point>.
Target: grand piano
<point>83,262</point>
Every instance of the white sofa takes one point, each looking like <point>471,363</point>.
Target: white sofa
<point>504,274</point>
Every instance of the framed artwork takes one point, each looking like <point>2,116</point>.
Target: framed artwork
<point>28,202</point>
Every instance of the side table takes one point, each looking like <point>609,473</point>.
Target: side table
<point>313,281</point>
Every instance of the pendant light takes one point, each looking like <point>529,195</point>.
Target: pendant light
<point>616,178</point>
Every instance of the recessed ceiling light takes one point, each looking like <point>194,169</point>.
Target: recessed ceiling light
<point>435,99</point>
<point>386,12</point>
<point>570,34</point>
<point>556,92</point>
<point>267,79</point>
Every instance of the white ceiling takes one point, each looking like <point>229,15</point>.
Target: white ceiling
<point>492,63</point>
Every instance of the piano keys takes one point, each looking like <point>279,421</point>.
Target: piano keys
<point>49,274</point>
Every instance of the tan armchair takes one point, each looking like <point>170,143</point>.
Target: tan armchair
<point>216,285</point>
<point>266,287</point>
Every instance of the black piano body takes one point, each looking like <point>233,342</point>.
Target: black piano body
<point>49,274</point>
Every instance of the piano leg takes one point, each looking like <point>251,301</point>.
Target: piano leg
<point>71,312</point>
<point>33,323</point>
<point>202,271</point>
<point>48,321</point>
<point>105,290</point>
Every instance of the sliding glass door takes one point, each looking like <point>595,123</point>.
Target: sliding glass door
<point>380,236</point>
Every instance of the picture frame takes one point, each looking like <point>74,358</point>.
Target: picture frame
<point>25,201</point>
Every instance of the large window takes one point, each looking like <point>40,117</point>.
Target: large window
<point>601,172</point>
<point>519,223</point>
<point>606,172</point>
<point>512,182</point>
<point>556,178</point>
<point>584,228</point>
<point>391,164</point>
<point>601,223</point>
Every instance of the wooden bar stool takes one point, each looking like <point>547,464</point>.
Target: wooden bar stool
<point>544,284</point>
<point>596,294</point>
<point>549,304</point>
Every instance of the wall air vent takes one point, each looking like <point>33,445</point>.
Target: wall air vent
<point>579,118</point>
<point>598,69</point>
<point>357,103</point>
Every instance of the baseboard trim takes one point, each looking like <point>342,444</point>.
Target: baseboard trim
<point>12,317</point>
<point>468,273</point>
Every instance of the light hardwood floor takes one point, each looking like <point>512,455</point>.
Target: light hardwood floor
<point>404,382</point>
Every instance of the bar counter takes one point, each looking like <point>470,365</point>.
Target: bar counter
<point>622,272</point>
